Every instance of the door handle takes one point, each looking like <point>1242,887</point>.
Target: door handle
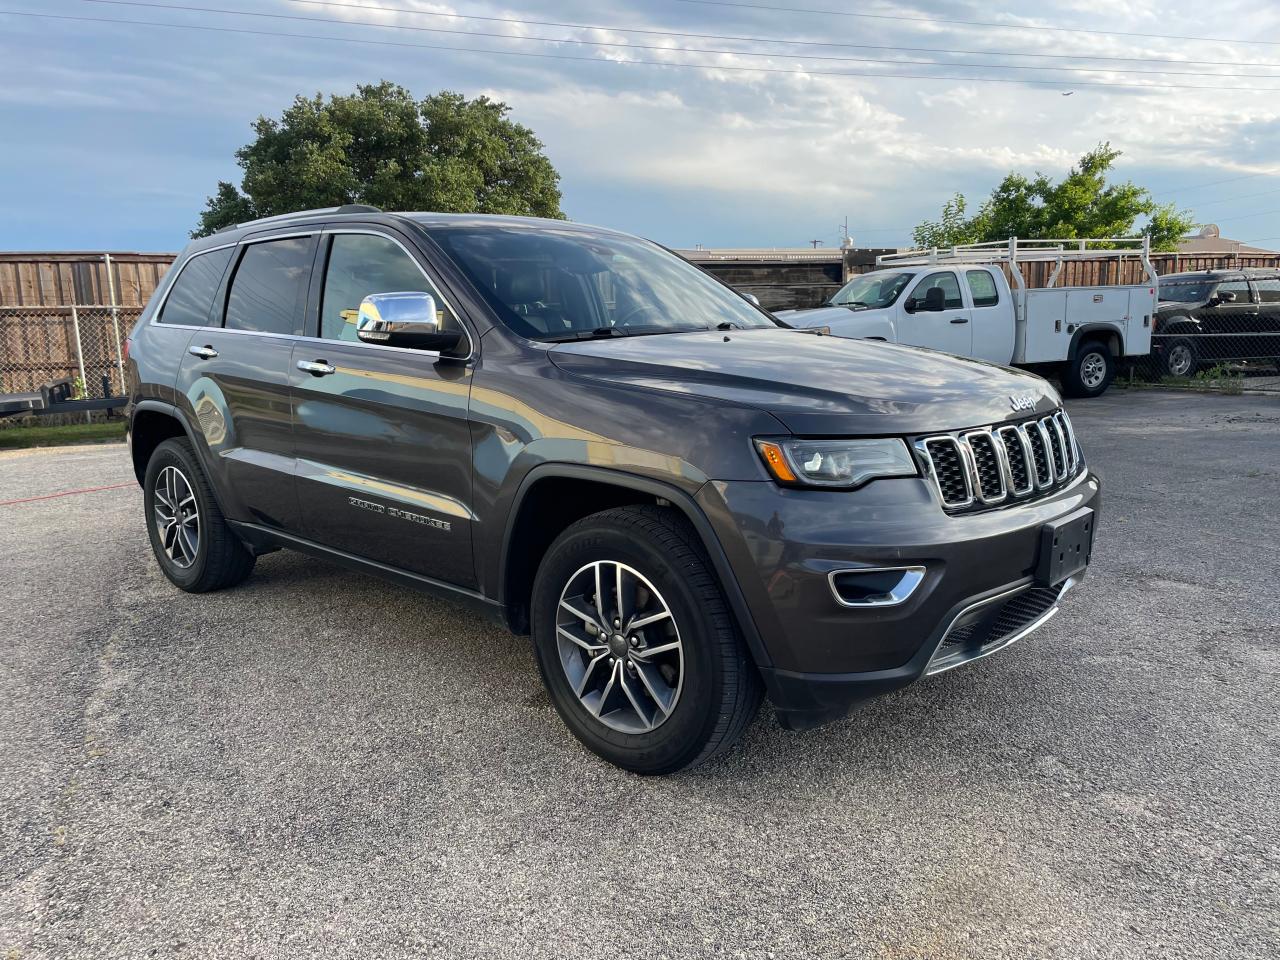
<point>317,368</point>
<point>204,353</point>
<point>959,319</point>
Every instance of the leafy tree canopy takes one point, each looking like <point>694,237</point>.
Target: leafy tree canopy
<point>1081,205</point>
<point>380,146</point>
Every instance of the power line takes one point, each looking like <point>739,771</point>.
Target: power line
<point>1211,183</point>
<point>792,42</point>
<point>489,51</point>
<point>974,23</point>
<point>189,8</point>
<point>1247,196</point>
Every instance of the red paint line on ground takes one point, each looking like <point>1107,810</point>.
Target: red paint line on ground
<point>68,493</point>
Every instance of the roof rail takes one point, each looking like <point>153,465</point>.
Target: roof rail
<point>297,214</point>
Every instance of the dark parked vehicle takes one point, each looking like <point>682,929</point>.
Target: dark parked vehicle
<point>1217,316</point>
<point>598,444</point>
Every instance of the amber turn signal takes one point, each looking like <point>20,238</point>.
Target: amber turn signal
<point>776,461</point>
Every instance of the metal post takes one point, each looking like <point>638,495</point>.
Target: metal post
<point>84,382</point>
<point>115,318</point>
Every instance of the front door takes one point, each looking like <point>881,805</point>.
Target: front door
<point>235,378</point>
<point>382,434</point>
<point>1228,327</point>
<point>949,329</point>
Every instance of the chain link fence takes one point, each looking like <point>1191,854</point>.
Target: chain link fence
<point>81,344</point>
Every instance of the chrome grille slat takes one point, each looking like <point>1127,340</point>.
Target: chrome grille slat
<point>976,469</point>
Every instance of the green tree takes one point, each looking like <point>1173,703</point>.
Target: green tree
<point>1081,205</point>
<point>380,146</point>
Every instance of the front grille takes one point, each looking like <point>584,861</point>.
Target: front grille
<point>987,628</point>
<point>974,469</point>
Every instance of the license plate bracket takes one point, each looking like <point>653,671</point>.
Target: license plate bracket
<point>1066,545</point>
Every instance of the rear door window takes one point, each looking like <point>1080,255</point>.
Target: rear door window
<point>190,301</point>
<point>269,288</point>
<point>982,286</point>
<point>1269,291</point>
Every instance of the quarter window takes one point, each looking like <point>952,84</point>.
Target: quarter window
<point>270,286</point>
<point>983,287</point>
<point>361,264</point>
<point>191,300</point>
<point>950,289</point>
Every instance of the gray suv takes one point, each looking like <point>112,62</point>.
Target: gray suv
<point>687,505</point>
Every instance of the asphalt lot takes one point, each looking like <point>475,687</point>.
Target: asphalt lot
<point>317,764</point>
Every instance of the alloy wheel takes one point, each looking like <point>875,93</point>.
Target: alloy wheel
<point>619,646</point>
<point>177,517</point>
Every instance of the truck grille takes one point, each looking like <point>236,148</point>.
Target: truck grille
<point>973,469</point>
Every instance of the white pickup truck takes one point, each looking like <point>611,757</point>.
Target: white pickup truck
<point>959,300</point>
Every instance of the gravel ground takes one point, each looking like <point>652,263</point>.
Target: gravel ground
<point>317,764</point>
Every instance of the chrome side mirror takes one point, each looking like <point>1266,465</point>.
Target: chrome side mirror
<point>403,320</point>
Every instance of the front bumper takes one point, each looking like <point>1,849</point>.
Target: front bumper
<point>821,657</point>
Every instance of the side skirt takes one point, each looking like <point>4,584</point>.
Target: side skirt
<point>265,539</point>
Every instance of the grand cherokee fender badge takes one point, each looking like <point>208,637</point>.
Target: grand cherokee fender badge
<point>1023,401</point>
<point>373,507</point>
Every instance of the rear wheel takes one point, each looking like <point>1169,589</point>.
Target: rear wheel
<point>193,544</point>
<point>636,645</point>
<point>1090,372</point>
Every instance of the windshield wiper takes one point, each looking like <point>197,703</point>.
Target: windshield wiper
<point>599,333</point>
<point>727,325</point>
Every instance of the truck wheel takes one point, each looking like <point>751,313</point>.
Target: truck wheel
<point>195,548</point>
<point>1090,372</point>
<point>1179,358</point>
<point>636,645</point>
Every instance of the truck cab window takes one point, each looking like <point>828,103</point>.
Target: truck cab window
<point>982,286</point>
<point>949,285</point>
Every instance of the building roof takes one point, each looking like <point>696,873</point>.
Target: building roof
<point>1210,240</point>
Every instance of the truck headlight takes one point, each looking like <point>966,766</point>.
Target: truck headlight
<point>835,463</point>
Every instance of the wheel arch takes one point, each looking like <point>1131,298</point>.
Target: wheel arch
<point>553,495</point>
<point>1108,334</point>
<point>151,423</point>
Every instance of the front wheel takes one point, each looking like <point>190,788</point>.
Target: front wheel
<point>1179,358</point>
<point>1090,372</point>
<point>636,644</point>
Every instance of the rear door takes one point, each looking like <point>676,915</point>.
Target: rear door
<point>235,376</point>
<point>383,441</point>
<point>992,318</point>
<point>1268,291</point>
<point>949,330</point>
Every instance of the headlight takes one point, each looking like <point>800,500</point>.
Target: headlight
<point>835,463</point>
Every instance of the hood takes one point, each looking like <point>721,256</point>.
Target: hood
<point>816,384</point>
<point>822,316</point>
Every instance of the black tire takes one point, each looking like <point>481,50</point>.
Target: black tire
<point>219,559</point>
<point>1178,358</point>
<point>1090,371</point>
<point>719,689</point>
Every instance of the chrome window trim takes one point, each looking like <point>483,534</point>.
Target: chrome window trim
<point>913,577</point>
<point>966,445</point>
<point>471,351</point>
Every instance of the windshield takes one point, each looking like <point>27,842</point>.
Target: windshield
<point>551,284</point>
<point>1184,291</point>
<point>871,290</point>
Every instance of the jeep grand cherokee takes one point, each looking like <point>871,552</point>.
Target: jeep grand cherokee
<point>685,504</point>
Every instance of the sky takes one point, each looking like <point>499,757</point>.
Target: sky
<point>115,133</point>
